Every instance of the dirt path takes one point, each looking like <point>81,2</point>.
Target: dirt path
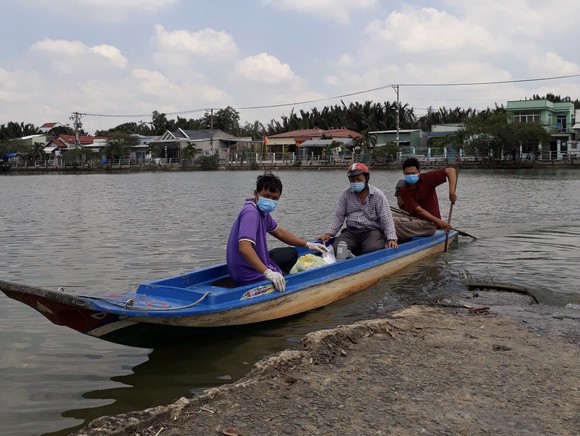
<point>423,370</point>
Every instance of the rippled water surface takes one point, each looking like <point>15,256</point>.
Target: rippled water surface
<point>93,234</point>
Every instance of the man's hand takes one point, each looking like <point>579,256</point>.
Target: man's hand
<point>276,278</point>
<point>325,237</point>
<point>452,197</point>
<point>444,225</point>
<point>321,248</point>
<point>391,243</point>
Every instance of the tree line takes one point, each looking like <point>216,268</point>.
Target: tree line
<point>480,125</point>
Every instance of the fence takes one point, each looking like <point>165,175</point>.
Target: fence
<point>435,156</point>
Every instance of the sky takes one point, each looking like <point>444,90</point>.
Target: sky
<point>117,61</point>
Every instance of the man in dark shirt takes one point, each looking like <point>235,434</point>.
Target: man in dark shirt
<point>418,197</point>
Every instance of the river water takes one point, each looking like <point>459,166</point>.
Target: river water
<point>103,233</point>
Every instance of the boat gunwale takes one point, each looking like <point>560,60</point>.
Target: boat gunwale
<point>296,283</point>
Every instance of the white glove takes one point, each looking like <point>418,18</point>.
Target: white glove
<point>321,248</point>
<point>276,278</point>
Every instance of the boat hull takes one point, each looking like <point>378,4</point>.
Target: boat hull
<point>194,302</point>
<point>299,302</point>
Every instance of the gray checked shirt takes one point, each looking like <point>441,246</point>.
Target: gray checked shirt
<point>374,213</point>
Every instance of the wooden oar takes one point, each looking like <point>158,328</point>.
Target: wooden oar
<point>449,218</point>
<point>402,212</point>
<point>450,212</point>
<point>447,233</point>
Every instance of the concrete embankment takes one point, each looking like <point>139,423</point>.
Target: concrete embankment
<point>511,369</point>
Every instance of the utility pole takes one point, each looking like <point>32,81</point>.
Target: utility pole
<point>211,131</point>
<point>77,125</point>
<point>396,88</point>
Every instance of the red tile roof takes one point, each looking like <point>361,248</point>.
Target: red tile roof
<point>304,134</point>
<point>48,125</point>
<point>59,143</point>
<point>83,140</point>
<point>342,133</point>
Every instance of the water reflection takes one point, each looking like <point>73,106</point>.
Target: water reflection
<point>184,369</point>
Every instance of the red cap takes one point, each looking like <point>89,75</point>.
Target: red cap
<point>357,168</point>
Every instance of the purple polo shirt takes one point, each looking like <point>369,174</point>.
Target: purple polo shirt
<point>250,225</point>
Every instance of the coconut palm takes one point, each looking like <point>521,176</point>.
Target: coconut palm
<point>189,151</point>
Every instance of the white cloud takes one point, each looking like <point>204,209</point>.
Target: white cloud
<point>153,82</point>
<point>59,47</point>
<point>264,68</point>
<point>336,10</point>
<point>553,64</point>
<point>66,53</point>
<point>428,30</point>
<point>184,94</point>
<point>207,43</point>
<point>18,86</point>
<point>111,53</point>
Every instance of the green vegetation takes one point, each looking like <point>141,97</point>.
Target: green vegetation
<point>492,134</point>
<point>486,132</point>
<point>118,145</point>
<point>386,153</point>
<point>208,162</point>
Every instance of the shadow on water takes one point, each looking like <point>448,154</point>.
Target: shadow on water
<point>185,366</point>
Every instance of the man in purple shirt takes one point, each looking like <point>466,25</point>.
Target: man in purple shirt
<point>247,254</point>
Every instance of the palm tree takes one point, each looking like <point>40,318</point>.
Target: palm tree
<point>38,152</point>
<point>114,150</point>
<point>189,151</point>
<point>153,150</point>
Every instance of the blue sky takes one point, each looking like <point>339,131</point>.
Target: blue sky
<point>119,60</point>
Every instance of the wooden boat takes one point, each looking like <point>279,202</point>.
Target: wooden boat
<point>204,300</point>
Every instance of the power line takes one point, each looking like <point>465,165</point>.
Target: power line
<point>366,91</point>
<point>499,82</point>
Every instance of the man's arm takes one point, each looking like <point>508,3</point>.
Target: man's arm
<point>247,250</point>
<point>386,222</point>
<point>288,237</point>
<point>451,174</point>
<point>429,217</point>
<point>337,219</point>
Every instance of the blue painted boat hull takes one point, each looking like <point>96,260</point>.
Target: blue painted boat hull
<point>203,301</point>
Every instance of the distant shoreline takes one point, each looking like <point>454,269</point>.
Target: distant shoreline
<point>307,166</point>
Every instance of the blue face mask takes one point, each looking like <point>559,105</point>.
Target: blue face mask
<point>357,187</point>
<point>266,205</point>
<point>411,179</point>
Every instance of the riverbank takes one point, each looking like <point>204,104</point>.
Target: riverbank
<point>304,165</point>
<point>512,369</point>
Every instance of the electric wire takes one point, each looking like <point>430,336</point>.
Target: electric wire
<point>378,88</point>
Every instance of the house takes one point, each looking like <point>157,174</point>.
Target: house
<point>63,143</point>
<point>574,148</point>
<point>322,148</point>
<point>406,137</point>
<point>140,151</point>
<point>292,141</point>
<point>32,140</point>
<point>48,126</point>
<point>441,131</point>
<point>208,142</point>
<point>557,118</point>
